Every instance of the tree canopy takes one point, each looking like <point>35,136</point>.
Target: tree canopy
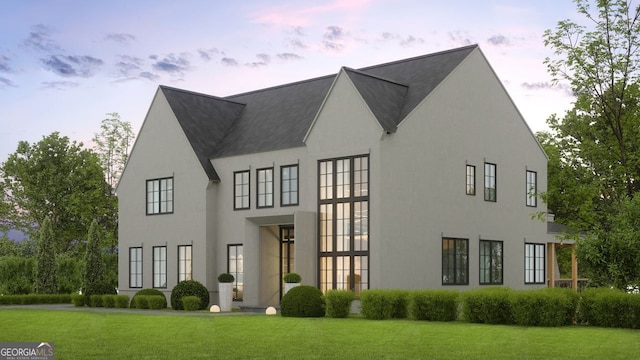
<point>112,145</point>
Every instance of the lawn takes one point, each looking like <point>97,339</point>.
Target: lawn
<point>140,335</point>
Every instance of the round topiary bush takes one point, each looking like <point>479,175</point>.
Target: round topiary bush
<point>292,278</point>
<point>189,288</point>
<point>303,301</point>
<point>226,278</point>
<point>145,292</point>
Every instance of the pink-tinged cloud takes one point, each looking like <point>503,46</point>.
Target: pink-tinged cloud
<point>296,17</point>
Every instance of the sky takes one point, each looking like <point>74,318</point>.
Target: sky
<point>66,64</point>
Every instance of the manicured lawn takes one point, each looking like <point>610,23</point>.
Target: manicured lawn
<point>136,335</point>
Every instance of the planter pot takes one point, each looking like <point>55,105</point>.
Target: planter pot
<point>225,293</point>
<point>289,286</point>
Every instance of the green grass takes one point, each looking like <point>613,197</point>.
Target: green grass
<point>136,335</point>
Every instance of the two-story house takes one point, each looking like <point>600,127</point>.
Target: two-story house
<point>419,173</point>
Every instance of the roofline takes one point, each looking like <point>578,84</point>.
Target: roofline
<point>163,87</point>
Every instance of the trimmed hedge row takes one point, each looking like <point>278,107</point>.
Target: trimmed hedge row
<point>33,299</point>
<point>339,303</point>
<point>609,308</point>
<point>380,304</point>
<point>434,305</point>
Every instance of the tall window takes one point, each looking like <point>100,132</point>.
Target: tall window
<point>490,182</point>
<point>241,190</point>
<point>159,266</point>
<point>471,180</point>
<point>289,186</point>
<point>185,262</point>
<point>343,191</point>
<point>160,196</point>
<point>135,267</point>
<point>532,188</point>
<point>265,187</point>
<point>455,261</point>
<point>534,263</point>
<point>235,267</point>
<point>490,262</point>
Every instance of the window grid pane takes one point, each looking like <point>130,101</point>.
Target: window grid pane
<point>235,267</point>
<point>159,266</point>
<point>532,188</point>
<point>241,190</point>
<point>455,262</point>
<point>471,180</point>
<point>490,189</point>
<point>490,262</point>
<point>289,186</point>
<point>160,196</point>
<point>534,263</point>
<point>184,263</point>
<point>135,267</point>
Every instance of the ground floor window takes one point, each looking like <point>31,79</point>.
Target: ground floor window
<point>455,261</point>
<point>184,263</point>
<point>235,267</point>
<point>159,266</point>
<point>135,267</point>
<point>534,260</point>
<point>490,262</point>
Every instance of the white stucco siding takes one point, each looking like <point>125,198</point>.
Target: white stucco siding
<point>468,119</point>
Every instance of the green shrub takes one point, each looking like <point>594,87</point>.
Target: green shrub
<point>544,307</point>
<point>156,302</point>
<point>69,274</point>
<point>109,301</point>
<point>95,300</point>
<point>17,275</point>
<point>140,302</point>
<point>122,301</point>
<point>189,288</point>
<point>375,304</point>
<point>399,303</point>
<point>303,301</point>
<point>339,303</point>
<point>191,303</point>
<point>78,300</point>
<point>434,305</point>
<point>148,292</point>
<point>226,278</point>
<point>292,278</point>
<point>12,299</point>
<point>487,305</point>
<point>610,308</point>
<point>101,288</point>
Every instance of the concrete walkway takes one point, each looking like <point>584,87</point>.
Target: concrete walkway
<point>71,307</point>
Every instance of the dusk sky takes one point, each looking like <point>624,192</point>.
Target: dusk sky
<point>64,64</point>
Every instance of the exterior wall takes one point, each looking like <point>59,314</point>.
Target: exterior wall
<point>468,119</point>
<point>162,150</point>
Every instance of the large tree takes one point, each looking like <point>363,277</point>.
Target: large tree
<point>56,178</point>
<point>112,144</point>
<point>594,150</point>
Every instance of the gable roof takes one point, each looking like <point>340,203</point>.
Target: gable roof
<point>279,117</point>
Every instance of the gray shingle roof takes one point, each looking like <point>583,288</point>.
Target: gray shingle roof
<point>279,117</point>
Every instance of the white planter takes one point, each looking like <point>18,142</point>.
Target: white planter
<point>289,286</point>
<point>225,293</point>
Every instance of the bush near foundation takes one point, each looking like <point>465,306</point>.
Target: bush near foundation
<point>156,302</point>
<point>381,304</point>
<point>544,307</point>
<point>122,301</point>
<point>148,292</point>
<point>79,300</point>
<point>434,305</point>
<point>191,303</point>
<point>109,301</point>
<point>487,305</point>
<point>339,303</point>
<point>189,288</point>
<point>303,301</point>
<point>95,300</point>
<point>610,308</point>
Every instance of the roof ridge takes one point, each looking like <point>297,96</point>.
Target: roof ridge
<point>374,76</point>
<point>213,97</point>
<point>419,57</point>
<point>281,86</point>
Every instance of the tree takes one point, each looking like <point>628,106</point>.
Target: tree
<point>94,266</point>
<point>46,266</point>
<point>58,179</point>
<point>594,150</point>
<point>112,145</point>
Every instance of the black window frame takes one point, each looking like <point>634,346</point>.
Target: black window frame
<point>445,267</point>
<point>160,192</point>
<point>531,196</point>
<point>242,196</point>
<point>492,272</point>
<point>236,288</point>
<point>181,262</point>
<point>471,180</point>
<point>539,275</point>
<point>162,270</point>
<point>138,261</point>
<point>487,182</point>
<point>289,180</point>
<point>263,186</point>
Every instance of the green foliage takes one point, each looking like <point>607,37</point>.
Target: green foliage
<point>17,275</point>
<point>95,300</point>
<point>544,307</point>
<point>70,274</point>
<point>94,266</point>
<point>140,302</point>
<point>226,278</point>
<point>156,302</point>
<point>303,301</point>
<point>191,303</point>
<point>57,178</point>
<point>610,308</point>
<point>109,301</point>
<point>339,303</point>
<point>33,299</point>
<point>378,304</point>
<point>145,292</point>
<point>79,300</point>
<point>110,262</point>
<point>189,288</point>
<point>8,247</point>
<point>46,267</point>
<point>122,301</point>
<point>434,305</point>
<point>487,305</point>
<point>292,278</point>
<point>112,145</point>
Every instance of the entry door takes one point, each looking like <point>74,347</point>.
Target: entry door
<point>287,252</point>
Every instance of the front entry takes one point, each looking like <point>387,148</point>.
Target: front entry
<point>287,252</point>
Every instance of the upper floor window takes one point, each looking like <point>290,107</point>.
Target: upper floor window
<point>534,263</point>
<point>455,261</point>
<point>490,262</point>
<point>532,188</point>
<point>471,180</point>
<point>160,196</point>
<point>490,188</point>
<point>241,190</point>
<point>265,187</point>
<point>289,186</point>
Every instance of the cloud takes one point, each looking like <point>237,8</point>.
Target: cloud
<point>171,63</point>
<point>149,76</point>
<point>541,86</point>
<point>332,46</point>
<point>408,41</point>
<point>265,59</point>
<point>229,61</point>
<point>72,66</point>
<point>297,44</point>
<point>334,33</point>
<point>460,38</point>
<point>59,85</point>
<point>289,56</point>
<point>128,65</point>
<point>121,38</point>
<point>297,30</point>
<point>4,64</point>
<point>498,40</point>
<point>5,83</point>
<point>39,39</point>
<point>207,54</point>
<point>304,14</point>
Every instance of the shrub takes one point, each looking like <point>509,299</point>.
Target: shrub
<point>544,307</point>
<point>226,278</point>
<point>292,278</point>
<point>122,301</point>
<point>610,308</point>
<point>95,300</point>
<point>434,305</point>
<point>140,302</point>
<point>191,303</point>
<point>399,303</point>
<point>487,305</point>
<point>101,288</point>
<point>69,274</point>
<point>156,302</point>
<point>109,301</point>
<point>148,292</point>
<point>189,288</point>
<point>376,304</point>
<point>303,301</point>
<point>17,275</point>
<point>79,300</point>
<point>339,303</point>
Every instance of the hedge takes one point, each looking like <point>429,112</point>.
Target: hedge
<point>303,301</point>
<point>148,292</point>
<point>610,308</point>
<point>191,303</point>
<point>381,304</point>
<point>434,305</point>
<point>33,299</point>
<point>189,288</point>
<point>487,305</point>
<point>339,303</point>
<point>544,307</point>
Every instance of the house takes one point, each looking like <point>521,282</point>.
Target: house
<point>419,173</point>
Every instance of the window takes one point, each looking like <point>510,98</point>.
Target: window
<point>135,267</point>
<point>489,182</point>
<point>289,186</point>
<point>185,263</point>
<point>160,196</point>
<point>532,181</point>
<point>343,191</point>
<point>490,262</point>
<point>455,261</point>
<point>471,180</point>
<point>159,266</point>
<point>265,187</point>
<point>241,190</point>
<point>235,267</point>
<point>534,264</point>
